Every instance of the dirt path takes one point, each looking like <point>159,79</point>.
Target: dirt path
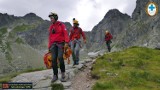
<point>83,80</point>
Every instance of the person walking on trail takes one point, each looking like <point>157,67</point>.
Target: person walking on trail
<point>58,38</point>
<point>75,36</point>
<point>108,38</point>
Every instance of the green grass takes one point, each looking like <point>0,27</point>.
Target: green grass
<point>135,68</point>
<point>57,86</point>
<point>3,31</point>
<point>22,28</point>
<point>19,41</point>
<point>8,77</point>
<point>5,46</point>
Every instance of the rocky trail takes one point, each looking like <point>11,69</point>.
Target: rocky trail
<point>78,77</point>
<point>83,79</point>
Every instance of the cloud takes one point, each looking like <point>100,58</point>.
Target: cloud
<point>88,12</point>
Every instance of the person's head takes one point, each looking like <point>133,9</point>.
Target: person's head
<point>75,22</point>
<point>53,17</point>
<point>107,31</point>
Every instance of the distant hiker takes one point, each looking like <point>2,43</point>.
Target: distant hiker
<point>108,38</point>
<point>58,38</point>
<point>75,36</point>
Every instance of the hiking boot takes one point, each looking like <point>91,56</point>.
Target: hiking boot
<point>55,78</point>
<point>77,63</point>
<point>63,77</point>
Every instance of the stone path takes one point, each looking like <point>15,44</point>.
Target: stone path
<point>83,79</point>
<point>42,79</point>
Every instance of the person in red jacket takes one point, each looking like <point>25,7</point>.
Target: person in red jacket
<point>75,36</point>
<point>108,38</point>
<point>58,38</point>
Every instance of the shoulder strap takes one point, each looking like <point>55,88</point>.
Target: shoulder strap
<point>60,23</point>
<point>80,30</point>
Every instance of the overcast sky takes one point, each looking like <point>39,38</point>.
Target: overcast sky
<point>87,12</point>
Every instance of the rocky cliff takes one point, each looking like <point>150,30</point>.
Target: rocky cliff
<point>143,30</point>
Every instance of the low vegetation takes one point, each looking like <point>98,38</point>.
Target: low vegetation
<point>22,27</point>
<point>19,41</point>
<point>3,31</point>
<point>57,86</point>
<point>136,68</point>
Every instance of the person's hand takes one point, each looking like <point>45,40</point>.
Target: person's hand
<point>49,50</point>
<point>66,45</point>
<point>84,41</point>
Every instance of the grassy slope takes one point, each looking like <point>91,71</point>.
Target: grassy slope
<point>135,68</point>
<point>22,28</point>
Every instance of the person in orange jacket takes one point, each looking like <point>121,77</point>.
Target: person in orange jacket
<point>108,38</point>
<point>75,36</point>
<point>58,38</point>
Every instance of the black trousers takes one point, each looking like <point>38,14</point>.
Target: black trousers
<point>108,45</point>
<point>57,53</point>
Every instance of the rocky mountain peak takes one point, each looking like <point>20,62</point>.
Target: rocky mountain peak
<point>114,21</point>
<point>32,16</point>
<point>6,19</point>
<point>115,13</point>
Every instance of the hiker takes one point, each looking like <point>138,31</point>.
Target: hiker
<point>108,38</point>
<point>58,38</point>
<point>75,36</point>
